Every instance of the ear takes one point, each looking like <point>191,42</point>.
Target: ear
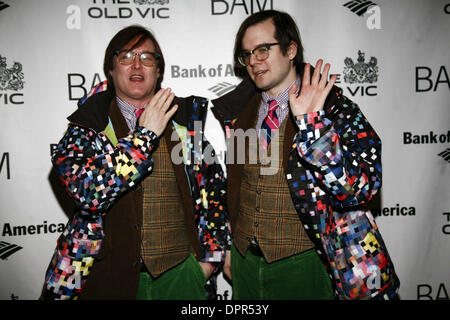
<point>292,50</point>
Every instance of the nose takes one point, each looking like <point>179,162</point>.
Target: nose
<point>252,60</point>
<point>137,62</point>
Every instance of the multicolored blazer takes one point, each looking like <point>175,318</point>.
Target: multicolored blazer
<point>97,169</point>
<point>332,161</point>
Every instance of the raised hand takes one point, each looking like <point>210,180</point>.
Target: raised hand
<point>313,90</point>
<point>156,115</point>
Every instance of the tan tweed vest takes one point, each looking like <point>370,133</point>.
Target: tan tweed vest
<point>267,213</point>
<point>164,235</point>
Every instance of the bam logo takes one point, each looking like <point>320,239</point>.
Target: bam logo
<point>11,79</point>
<point>220,7</point>
<point>7,249</point>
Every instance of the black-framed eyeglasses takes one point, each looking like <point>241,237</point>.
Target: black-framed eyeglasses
<point>261,53</point>
<point>147,58</point>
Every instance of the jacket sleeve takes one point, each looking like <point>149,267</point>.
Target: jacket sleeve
<point>95,172</point>
<point>214,225</point>
<point>343,152</point>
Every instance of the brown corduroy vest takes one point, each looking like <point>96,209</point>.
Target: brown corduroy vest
<point>266,211</point>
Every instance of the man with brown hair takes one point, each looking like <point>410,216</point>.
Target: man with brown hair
<point>145,227</point>
<point>311,211</point>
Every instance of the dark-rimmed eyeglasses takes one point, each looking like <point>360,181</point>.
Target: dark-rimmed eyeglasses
<point>147,58</point>
<point>261,53</point>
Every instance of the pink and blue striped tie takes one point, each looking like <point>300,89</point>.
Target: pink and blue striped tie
<point>270,124</point>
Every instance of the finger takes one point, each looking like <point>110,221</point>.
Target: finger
<point>167,102</point>
<point>324,76</point>
<point>330,84</point>
<point>317,71</point>
<point>163,99</point>
<point>171,112</point>
<point>155,99</point>
<point>306,75</point>
<point>293,91</point>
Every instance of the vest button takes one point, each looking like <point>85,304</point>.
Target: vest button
<point>256,224</point>
<point>257,209</point>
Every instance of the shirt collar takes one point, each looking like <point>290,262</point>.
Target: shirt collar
<point>283,98</point>
<point>127,109</point>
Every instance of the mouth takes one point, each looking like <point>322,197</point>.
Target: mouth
<point>260,73</point>
<point>136,78</point>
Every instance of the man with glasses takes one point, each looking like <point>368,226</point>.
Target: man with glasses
<point>146,227</point>
<point>310,212</point>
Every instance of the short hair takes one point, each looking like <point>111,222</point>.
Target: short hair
<point>120,40</point>
<point>286,30</point>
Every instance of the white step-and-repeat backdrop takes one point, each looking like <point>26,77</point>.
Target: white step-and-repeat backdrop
<point>51,53</point>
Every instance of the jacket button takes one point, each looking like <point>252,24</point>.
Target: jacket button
<point>136,263</point>
<point>137,226</point>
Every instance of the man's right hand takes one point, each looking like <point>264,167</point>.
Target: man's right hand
<point>156,115</point>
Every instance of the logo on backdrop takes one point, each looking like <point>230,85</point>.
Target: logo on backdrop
<point>9,230</point>
<point>361,7</point>
<point>361,71</point>
<point>430,292</point>
<point>395,211</point>
<point>428,138</point>
<point>79,85</point>
<point>221,7</point>
<point>8,249</point>
<point>121,9</point>
<point>361,75</point>
<point>201,71</point>
<point>126,9</point>
<point>4,166</point>
<point>446,227</point>
<point>11,79</point>
<point>447,8</point>
<point>222,88</point>
<point>427,80</point>
<point>445,155</point>
<point>3,5</point>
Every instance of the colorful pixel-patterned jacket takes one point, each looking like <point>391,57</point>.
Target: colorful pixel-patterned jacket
<point>332,161</point>
<point>97,169</point>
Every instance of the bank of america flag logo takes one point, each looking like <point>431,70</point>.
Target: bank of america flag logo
<point>445,155</point>
<point>3,5</point>
<point>359,6</point>
<point>7,249</point>
<point>221,88</point>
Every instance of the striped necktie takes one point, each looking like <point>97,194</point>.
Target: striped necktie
<point>270,124</point>
<point>138,112</point>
